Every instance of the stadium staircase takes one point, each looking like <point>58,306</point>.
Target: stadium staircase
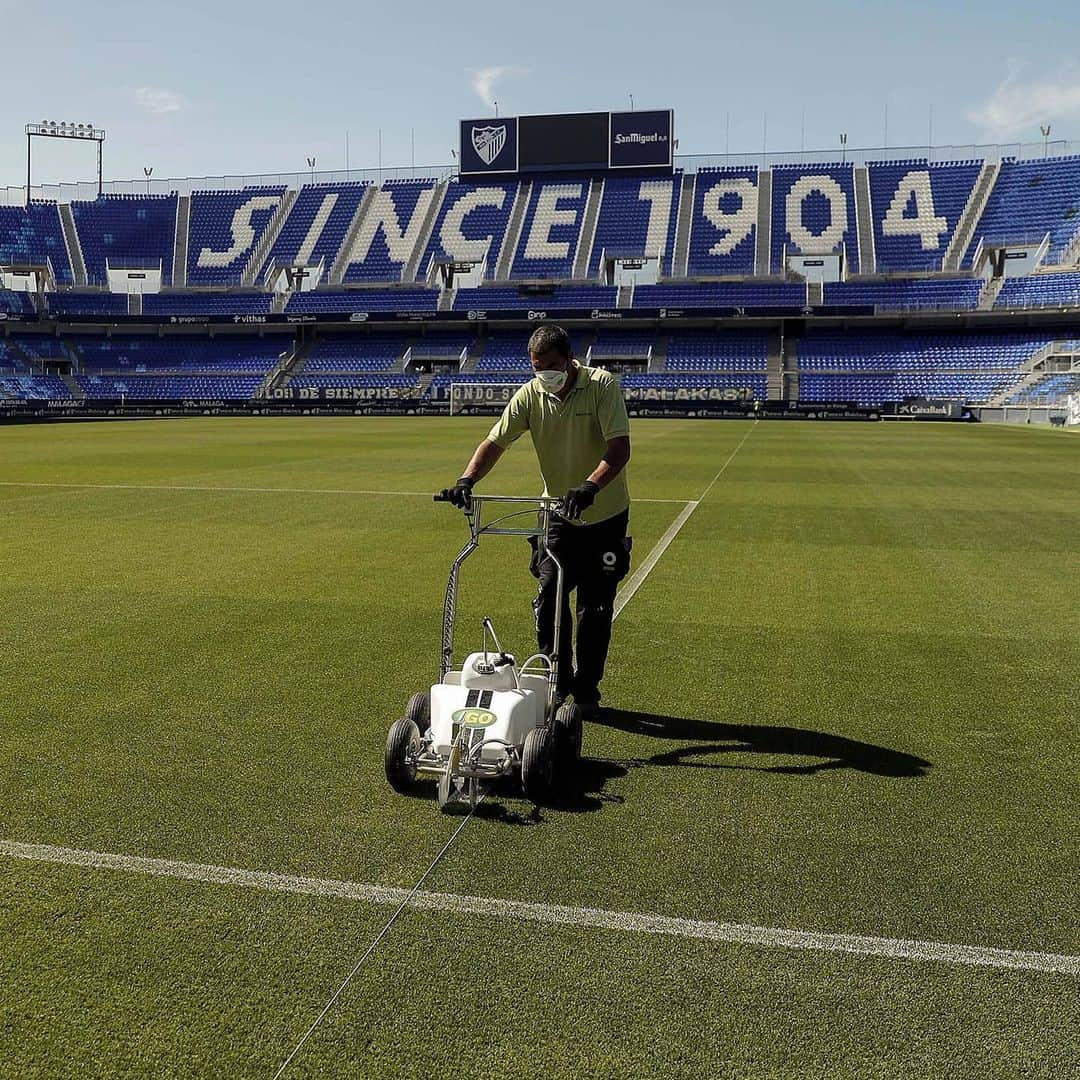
<point>74,248</point>
<point>134,303</point>
<point>282,373</point>
<point>277,304</point>
<point>864,221</point>
<point>476,350</point>
<point>266,242</point>
<point>774,378</point>
<point>341,260</point>
<point>180,246</point>
<point>398,366</point>
<point>77,392</point>
<point>658,357</point>
<point>989,293</point>
<point>815,293</point>
<point>408,272</point>
<point>1031,375</point>
<point>513,231</point>
<point>763,245</point>
<point>625,296</point>
<point>424,384</point>
<point>680,259</point>
<point>588,230</point>
<point>789,365</point>
<point>1071,255</point>
<point>969,220</point>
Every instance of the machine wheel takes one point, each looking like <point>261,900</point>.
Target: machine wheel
<point>568,725</point>
<point>538,764</point>
<point>402,741</point>
<point>419,711</point>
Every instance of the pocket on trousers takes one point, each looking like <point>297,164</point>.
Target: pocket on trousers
<point>615,561</point>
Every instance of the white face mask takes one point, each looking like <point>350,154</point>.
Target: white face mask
<point>552,381</point>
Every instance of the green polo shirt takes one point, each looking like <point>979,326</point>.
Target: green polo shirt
<point>571,436</point>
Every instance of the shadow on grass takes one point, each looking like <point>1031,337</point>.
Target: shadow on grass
<point>505,803</point>
<point>712,739</point>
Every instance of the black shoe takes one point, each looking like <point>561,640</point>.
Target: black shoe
<point>590,710</point>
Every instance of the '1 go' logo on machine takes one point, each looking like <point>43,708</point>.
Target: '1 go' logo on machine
<point>474,718</point>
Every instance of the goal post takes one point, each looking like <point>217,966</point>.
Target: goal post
<point>481,399</point>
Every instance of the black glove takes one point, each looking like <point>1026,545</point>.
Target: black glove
<point>578,500</point>
<point>460,494</point>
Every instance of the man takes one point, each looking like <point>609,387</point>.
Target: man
<point>577,419</point>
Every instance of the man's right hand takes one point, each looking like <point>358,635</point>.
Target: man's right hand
<point>460,494</point>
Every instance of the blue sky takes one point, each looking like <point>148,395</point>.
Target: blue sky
<point>238,87</point>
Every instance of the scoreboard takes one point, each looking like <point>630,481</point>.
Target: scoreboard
<point>643,139</point>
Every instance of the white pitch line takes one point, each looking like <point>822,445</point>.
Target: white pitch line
<point>252,490</point>
<point>555,914</point>
<point>637,579</point>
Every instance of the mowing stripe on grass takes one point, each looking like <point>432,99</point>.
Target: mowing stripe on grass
<point>551,914</point>
<point>242,490</point>
<point>637,579</point>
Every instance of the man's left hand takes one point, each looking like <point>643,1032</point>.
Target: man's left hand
<point>578,500</point>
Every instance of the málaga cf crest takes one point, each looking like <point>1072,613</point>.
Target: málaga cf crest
<point>488,142</point>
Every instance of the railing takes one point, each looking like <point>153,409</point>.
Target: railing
<point>688,163</point>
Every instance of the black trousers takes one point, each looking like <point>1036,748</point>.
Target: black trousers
<point>595,558</point>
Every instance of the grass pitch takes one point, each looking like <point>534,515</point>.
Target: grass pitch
<point>843,701</point>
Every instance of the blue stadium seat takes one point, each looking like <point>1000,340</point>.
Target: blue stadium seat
<point>637,218</point>
<point>1029,200</point>
<point>225,228</point>
<point>916,208</point>
<point>33,236</point>
<point>551,229</point>
<point>813,211</point>
<point>724,227</point>
<point>128,231</point>
<point>471,225</point>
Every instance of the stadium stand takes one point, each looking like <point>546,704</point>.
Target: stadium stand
<point>720,295</point>
<point>1040,290</point>
<point>916,207</point>
<point>347,353</point>
<point>1047,390</point>
<point>31,387</point>
<point>376,246</point>
<point>951,294</point>
<point>99,303</point>
<point>623,345</point>
<point>551,230</point>
<point>390,231</point>
<point>470,226</point>
<point>16,303</point>
<point>506,353</point>
<point>138,354</point>
<point>871,367</point>
<point>1030,200</point>
<point>127,231</point>
<point>733,350</point>
<point>637,218</point>
<point>225,228</point>
<point>176,303</point>
<point>813,211</point>
<point>724,224</point>
<point>352,300</point>
<point>491,297</point>
<point>34,236</point>
<point>316,226</point>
